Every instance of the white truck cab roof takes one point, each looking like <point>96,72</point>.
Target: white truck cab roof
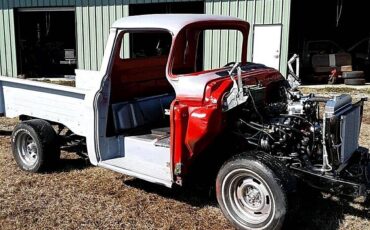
<point>171,22</point>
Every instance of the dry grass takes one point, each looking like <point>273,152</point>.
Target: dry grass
<point>77,195</point>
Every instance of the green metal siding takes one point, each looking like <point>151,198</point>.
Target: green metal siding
<point>7,39</point>
<point>94,17</point>
<point>285,37</point>
<point>256,12</point>
<point>2,42</point>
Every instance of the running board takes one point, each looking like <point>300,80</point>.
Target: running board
<point>135,174</point>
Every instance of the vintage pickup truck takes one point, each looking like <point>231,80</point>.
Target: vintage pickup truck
<point>153,112</point>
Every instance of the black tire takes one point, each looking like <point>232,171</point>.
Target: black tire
<point>35,145</point>
<point>353,74</point>
<point>267,182</point>
<point>356,81</point>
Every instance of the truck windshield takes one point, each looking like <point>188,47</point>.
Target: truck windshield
<point>145,44</point>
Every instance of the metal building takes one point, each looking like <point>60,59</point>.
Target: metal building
<point>84,25</point>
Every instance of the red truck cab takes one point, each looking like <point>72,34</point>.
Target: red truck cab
<point>195,94</point>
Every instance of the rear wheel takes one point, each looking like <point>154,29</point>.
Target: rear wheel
<point>252,189</point>
<point>35,145</point>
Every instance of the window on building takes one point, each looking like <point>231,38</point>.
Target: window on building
<point>46,42</point>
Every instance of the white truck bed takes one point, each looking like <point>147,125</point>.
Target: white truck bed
<point>62,104</point>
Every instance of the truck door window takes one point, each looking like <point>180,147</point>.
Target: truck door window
<point>205,43</point>
<point>140,68</point>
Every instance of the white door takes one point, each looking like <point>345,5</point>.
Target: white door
<point>266,45</point>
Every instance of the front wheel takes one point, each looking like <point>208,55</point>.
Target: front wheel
<point>252,191</point>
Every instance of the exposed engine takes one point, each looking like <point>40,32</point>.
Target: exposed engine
<point>319,134</point>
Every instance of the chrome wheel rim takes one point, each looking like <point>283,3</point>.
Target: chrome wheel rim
<point>247,198</point>
<point>27,148</point>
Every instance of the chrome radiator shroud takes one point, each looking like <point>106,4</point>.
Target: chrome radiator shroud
<point>348,118</point>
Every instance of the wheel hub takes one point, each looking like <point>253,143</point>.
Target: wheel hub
<point>251,200</point>
<point>27,148</point>
<point>253,197</point>
<point>31,150</point>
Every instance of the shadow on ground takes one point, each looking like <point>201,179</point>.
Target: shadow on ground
<point>315,210</point>
<point>325,211</point>
<point>191,194</point>
<point>68,162</point>
<point>5,133</point>
<point>67,165</point>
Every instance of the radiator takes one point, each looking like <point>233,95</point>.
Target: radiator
<point>349,132</point>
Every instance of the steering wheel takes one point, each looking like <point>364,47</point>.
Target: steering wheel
<point>230,64</point>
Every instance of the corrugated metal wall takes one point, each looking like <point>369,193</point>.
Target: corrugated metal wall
<point>94,18</point>
<point>8,61</point>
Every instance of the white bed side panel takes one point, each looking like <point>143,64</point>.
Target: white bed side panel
<point>65,105</point>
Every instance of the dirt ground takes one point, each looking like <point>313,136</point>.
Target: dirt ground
<point>77,195</point>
